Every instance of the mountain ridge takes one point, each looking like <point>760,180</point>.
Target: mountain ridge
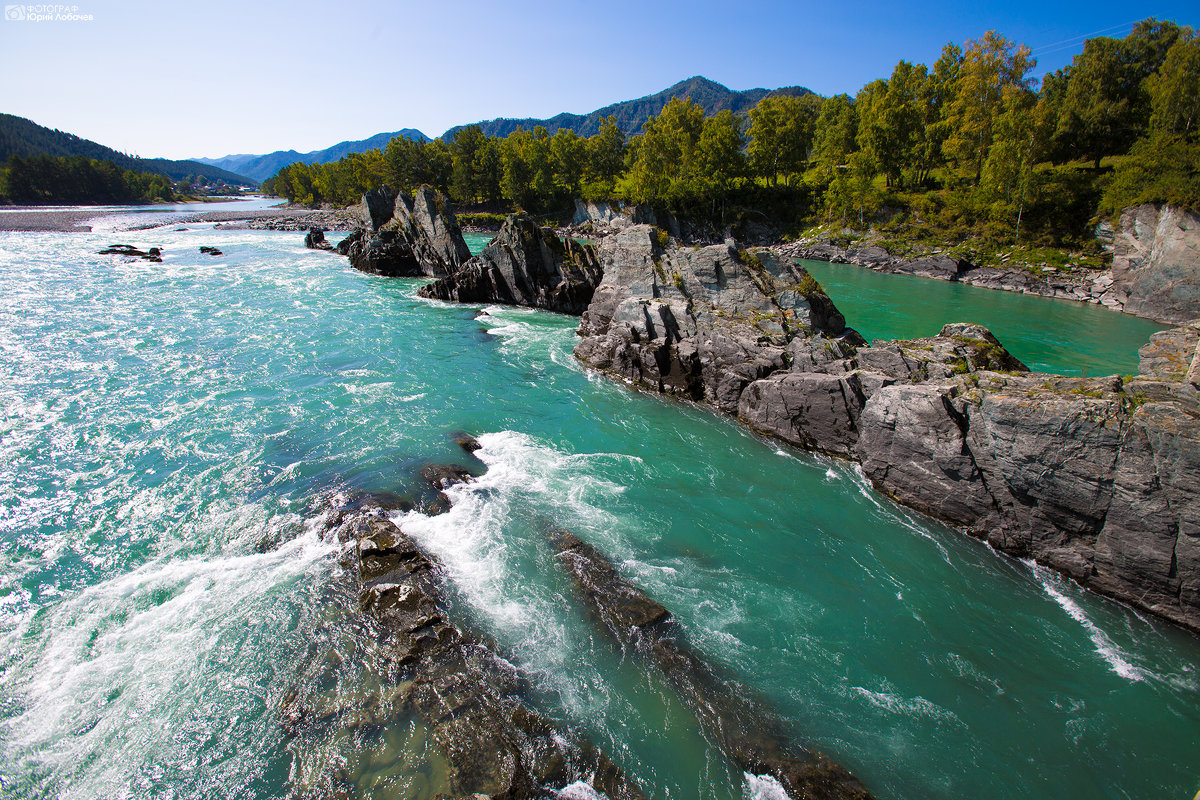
<point>630,114</point>
<point>262,166</point>
<point>24,137</point>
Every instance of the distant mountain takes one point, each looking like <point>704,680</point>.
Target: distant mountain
<point>22,137</point>
<point>261,167</point>
<point>631,114</point>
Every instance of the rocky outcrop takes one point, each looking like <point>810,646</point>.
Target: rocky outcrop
<point>1097,478</point>
<point>487,740</point>
<point>525,265</point>
<point>611,217</point>
<point>749,734</point>
<point>315,240</point>
<point>1156,262</point>
<point>703,322</point>
<point>817,403</point>
<point>402,236</point>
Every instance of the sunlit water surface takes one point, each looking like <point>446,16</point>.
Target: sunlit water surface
<point>171,434</point>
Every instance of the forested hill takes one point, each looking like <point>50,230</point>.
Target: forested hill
<point>261,167</point>
<point>970,154</point>
<point>22,137</point>
<point>630,114</point>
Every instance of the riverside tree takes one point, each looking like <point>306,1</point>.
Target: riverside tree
<point>989,66</point>
<point>781,132</point>
<point>967,148</point>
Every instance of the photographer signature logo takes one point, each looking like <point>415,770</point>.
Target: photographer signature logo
<point>44,12</point>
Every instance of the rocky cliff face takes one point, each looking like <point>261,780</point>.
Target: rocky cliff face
<point>403,236</point>
<point>1097,478</point>
<point>1156,262</point>
<point>524,265</point>
<point>703,322</point>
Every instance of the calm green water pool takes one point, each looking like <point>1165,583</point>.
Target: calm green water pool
<point>1049,335</point>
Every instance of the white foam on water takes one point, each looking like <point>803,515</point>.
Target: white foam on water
<point>899,516</point>
<point>763,787</point>
<point>580,791</point>
<point>481,542</point>
<point>124,661</point>
<point>1116,659</point>
<point>905,706</point>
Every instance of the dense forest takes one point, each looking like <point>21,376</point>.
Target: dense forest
<point>77,180</point>
<point>972,147</point>
<point>25,138</point>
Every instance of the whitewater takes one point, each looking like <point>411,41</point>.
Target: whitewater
<point>174,437</point>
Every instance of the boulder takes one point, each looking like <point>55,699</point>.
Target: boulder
<point>315,240</point>
<point>808,409</point>
<point>525,265</point>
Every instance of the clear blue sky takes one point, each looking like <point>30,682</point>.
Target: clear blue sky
<point>207,79</point>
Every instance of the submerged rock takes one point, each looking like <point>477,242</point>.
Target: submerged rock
<point>468,699</point>
<point>129,251</point>
<point>525,265</point>
<point>744,729</point>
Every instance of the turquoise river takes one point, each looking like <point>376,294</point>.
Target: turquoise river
<point>172,435</point>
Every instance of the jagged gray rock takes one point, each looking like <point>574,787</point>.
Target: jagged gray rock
<point>376,208</point>
<point>1156,262</point>
<point>701,322</point>
<point>428,225</point>
<point>525,265</point>
<point>1097,478</point>
<point>405,237</point>
<point>818,402</point>
<point>489,741</point>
